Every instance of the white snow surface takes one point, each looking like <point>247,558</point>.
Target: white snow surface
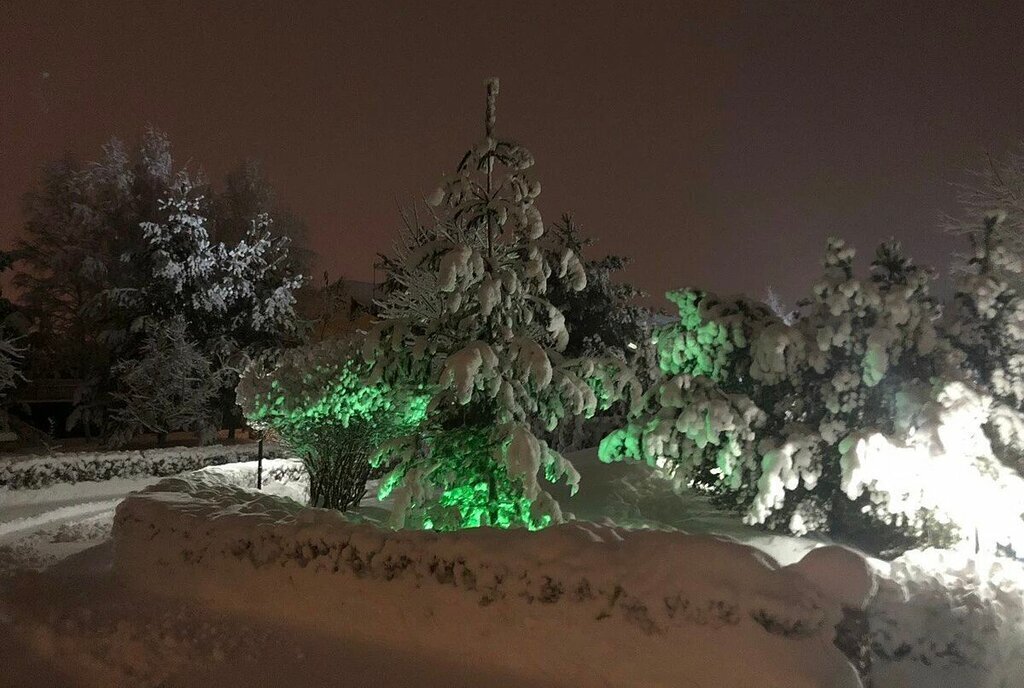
<point>218,585</point>
<point>39,527</point>
<point>947,618</point>
<point>578,604</point>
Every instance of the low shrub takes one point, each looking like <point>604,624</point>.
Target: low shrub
<point>315,400</point>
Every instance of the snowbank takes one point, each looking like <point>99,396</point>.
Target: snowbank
<point>946,618</point>
<point>21,473</point>
<point>578,604</point>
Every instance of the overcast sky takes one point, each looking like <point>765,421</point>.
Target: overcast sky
<point>718,145</point>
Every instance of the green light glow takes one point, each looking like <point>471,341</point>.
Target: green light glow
<point>334,421</point>
<point>694,345</point>
<point>474,490</point>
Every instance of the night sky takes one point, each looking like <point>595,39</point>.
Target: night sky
<point>717,145</point>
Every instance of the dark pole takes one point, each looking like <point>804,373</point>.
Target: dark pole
<point>259,463</point>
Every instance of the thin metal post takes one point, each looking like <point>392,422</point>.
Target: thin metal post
<point>259,464</point>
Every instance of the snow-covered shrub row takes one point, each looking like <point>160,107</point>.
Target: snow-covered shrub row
<point>31,473</point>
<point>854,420</point>
<point>280,477</point>
<point>580,602</point>
<point>944,617</point>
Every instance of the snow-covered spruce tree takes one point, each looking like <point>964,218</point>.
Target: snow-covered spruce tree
<point>604,317</point>
<point>170,386</point>
<point>850,421</point>
<point>314,398</point>
<point>604,320</point>
<point>467,321</point>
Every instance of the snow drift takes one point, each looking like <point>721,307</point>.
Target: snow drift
<point>577,604</point>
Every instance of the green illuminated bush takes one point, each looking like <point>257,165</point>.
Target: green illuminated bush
<point>315,400</point>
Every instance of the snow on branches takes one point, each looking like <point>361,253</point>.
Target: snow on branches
<point>851,420</point>
<point>466,318</point>
<point>242,283</point>
<point>169,386</point>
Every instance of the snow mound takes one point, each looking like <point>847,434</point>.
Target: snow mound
<point>946,618</point>
<point>580,603</point>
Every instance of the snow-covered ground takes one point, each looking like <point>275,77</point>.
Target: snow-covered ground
<point>41,527</point>
<point>222,586</point>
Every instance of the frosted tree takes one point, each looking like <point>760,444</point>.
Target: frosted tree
<point>247,194</point>
<point>986,326</point>
<point>850,421</point>
<point>170,386</point>
<point>604,317</point>
<point>242,291</point>
<point>96,236</point>
<point>996,189</point>
<point>466,321</point>
<point>604,320</point>
<point>79,220</point>
<point>774,301</point>
<point>13,347</point>
<point>986,320</point>
<point>235,300</point>
<point>12,356</point>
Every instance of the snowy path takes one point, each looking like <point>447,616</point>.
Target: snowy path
<point>41,527</point>
<point>15,504</point>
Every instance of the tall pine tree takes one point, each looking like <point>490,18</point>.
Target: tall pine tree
<point>467,322</point>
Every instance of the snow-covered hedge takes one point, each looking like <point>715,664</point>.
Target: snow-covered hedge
<point>18,473</point>
<point>575,604</point>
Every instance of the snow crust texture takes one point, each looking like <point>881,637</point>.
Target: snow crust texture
<point>589,604</point>
<point>945,618</point>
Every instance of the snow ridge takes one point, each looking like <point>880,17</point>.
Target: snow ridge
<point>636,590</point>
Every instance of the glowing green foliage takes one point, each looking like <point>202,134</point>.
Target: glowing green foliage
<point>320,385</point>
<point>462,486</point>
<point>836,421</point>
<point>696,344</point>
<point>316,400</point>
